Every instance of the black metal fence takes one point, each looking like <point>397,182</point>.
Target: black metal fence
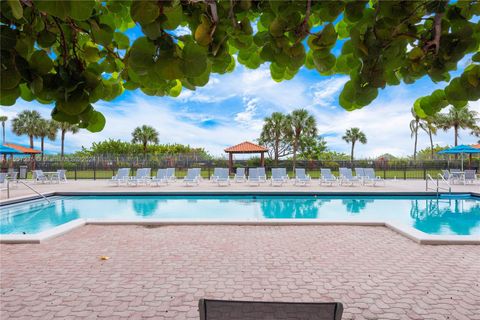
<point>96,168</point>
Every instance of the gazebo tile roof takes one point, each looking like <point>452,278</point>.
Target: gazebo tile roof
<point>246,147</point>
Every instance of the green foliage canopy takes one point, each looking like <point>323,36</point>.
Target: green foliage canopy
<point>74,53</point>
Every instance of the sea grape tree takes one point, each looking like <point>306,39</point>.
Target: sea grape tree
<point>73,53</point>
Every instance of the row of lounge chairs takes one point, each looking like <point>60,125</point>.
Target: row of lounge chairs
<point>256,176</point>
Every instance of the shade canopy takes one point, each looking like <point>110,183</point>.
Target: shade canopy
<point>22,149</point>
<point>7,150</point>
<point>245,147</point>
<point>461,149</point>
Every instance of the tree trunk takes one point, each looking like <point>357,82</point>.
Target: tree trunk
<point>276,151</point>
<point>63,145</point>
<point>416,140</point>
<point>31,141</point>
<point>456,138</point>
<point>431,143</point>
<point>3,132</point>
<point>41,146</point>
<point>351,154</point>
<point>456,135</point>
<point>144,148</point>
<point>294,154</point>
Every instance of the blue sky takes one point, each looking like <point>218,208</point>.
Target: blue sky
<point>231,108</point>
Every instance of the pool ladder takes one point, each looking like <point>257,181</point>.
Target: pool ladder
<point>436,183</point>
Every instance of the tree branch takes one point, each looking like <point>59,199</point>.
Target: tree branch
<point>231,14</point>
<point>437,32</point>
<point>63,41</point>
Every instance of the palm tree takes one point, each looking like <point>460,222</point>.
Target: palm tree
<point>352,136</point>
<point>144,135</point>
<point>46,129</point>
<point>3,119</point>
<point>65,127</point>
<point>27,122</point>
<point>301,124</point>
<point>429,125</point>
<point>414,125</point>
<point>274,136</point>
<point>458,119</point>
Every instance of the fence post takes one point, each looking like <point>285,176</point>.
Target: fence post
<point>405,172</point>
<point>75,173</point>
<point>94,172</point>
<point>424,172</point>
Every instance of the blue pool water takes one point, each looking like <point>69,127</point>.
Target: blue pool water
<point>457,215</point>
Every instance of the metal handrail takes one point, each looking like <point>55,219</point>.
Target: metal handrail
<point>34,190</point>
<point>437,184</point>
<point>443,179</point>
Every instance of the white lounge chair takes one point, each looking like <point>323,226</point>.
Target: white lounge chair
<point>140,177</point>
<point>216,174</point>
<point>360,174</point>
<point>253,177</point>
<point>121,176</point>
<point>327,177</point>
<point>262,174</point>
<point>284,174</point>
<point>223,177</point>
<point>346,177</point>
<point>370,177</point>
<point>277,177</point>
<point>39,176</point>
<point>301,177</point>
<point>470,176</point>
<point>161,177</point>
<point>240,175</point>
<point>198,172</point>
<point>171,174</point>
<point>191,177</point>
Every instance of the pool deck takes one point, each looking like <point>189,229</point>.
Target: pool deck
<point>161,272</point>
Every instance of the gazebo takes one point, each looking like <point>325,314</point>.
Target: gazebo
<point>245,147</point>
<point>24,150</point>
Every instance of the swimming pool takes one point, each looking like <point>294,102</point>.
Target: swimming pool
<point>446,215</point>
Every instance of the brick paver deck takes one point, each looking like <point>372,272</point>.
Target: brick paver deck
<point>162,272</point>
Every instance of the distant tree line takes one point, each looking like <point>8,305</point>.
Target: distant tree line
<point>145,140</point>
<point>296,135</point>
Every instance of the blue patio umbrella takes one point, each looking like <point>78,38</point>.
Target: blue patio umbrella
<point>461,149</point>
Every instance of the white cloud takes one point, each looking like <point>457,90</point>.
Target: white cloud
<point>325,92</point>
<point>248,118</point>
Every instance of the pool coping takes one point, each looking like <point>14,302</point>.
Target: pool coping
<point>407,231</point>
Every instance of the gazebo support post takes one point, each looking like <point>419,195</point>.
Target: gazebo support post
<point>230,162</point>
<point>262,159</point>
